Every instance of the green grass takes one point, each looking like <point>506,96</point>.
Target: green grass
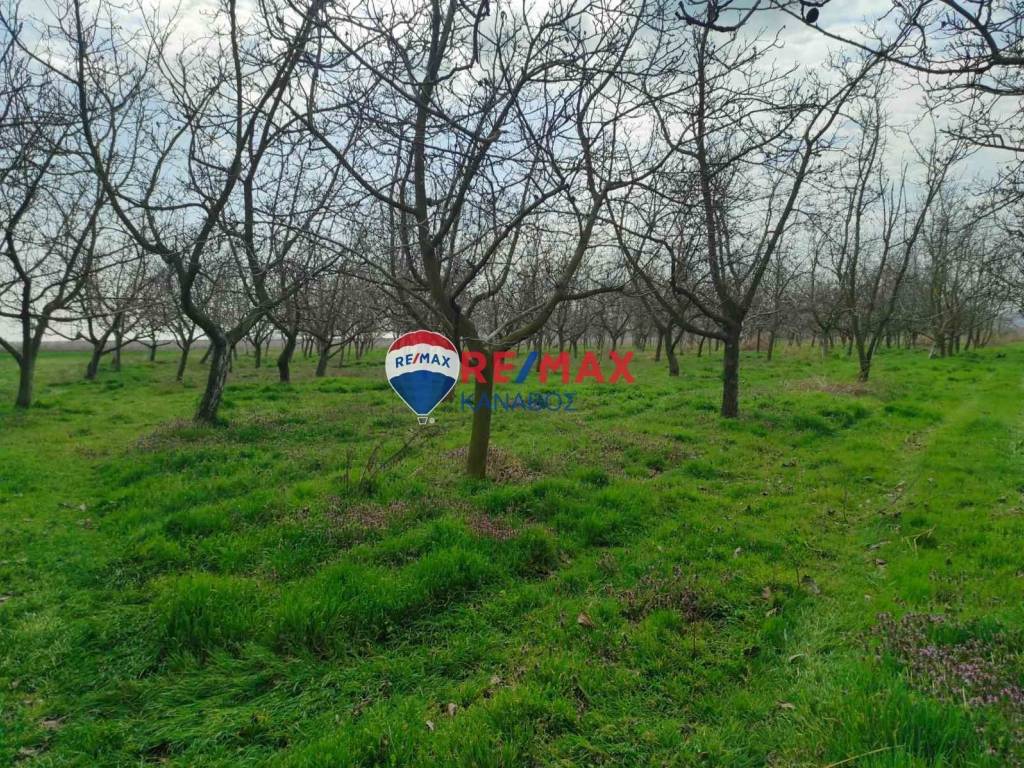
<point>640,583</point>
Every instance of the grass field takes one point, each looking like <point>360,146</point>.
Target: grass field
<point>835,578</point>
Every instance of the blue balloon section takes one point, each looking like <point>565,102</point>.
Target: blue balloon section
<point>422,367</point>
<point>422,390</point>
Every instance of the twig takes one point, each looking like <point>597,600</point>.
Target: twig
<point>846,760</point>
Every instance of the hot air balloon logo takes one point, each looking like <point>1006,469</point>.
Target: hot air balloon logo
<point>422,367</point>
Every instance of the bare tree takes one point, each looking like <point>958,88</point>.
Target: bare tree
<point>476,133</point>
<point>109,309</point>
<point>875,226</point>
<point>153,311</point>
<point>776,309</point>
<point>959,296</point>
<point>50,208</point>
<point>194,150</point>
<point>755,134</point>
<point>335,314</point>
<point>172,319</point>
<point>259,337</point>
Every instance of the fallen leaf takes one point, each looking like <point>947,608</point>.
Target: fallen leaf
<point>51,723</point>
<point>786,705</point>
<point>879,562</point>
<point>452,708</point>
<point>585,621</point>
<point>430,725</point>
<point>766,593</point>
<point>795,656</point>
<point>495,680</point>
<point>737,552</point>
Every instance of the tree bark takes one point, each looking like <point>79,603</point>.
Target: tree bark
<point>321,364</point>
<point>864,361</point>
<point>220,361</point>
<point>284,360</point>
<point>731,377</point>
<point>26,373</point>
<point>26,359</point>
<point>182,362</point>
<point>670,354</point>
<point>94,362</point>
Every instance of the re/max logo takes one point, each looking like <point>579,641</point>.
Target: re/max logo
<point>423,358</point>
<point>474,365</point>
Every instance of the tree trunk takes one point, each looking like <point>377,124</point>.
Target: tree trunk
<point>731,377</point>
<point>771,345</point>
<point>182,362</point>
<point>321,364</point>
<point>220,361</point>
<point>152,352</point>
<point>480,437</point>
<point>864,361</point>
<point>284,360</point>
<point>670,354</point>
<point>26,373</point>
<point>258,347</point>
<point>94,362</point>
